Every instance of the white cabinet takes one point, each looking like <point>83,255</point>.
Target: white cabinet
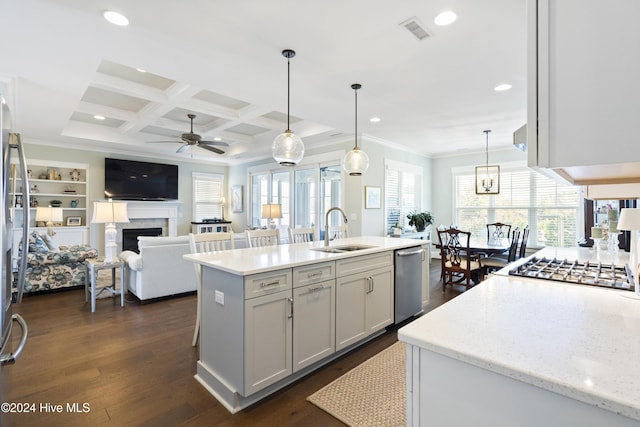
<point>425,274</point>
<point>314,305</point>
<point>268,340</point>
<point>583,89</point>
<point>268,329</point>
<point>364,299</point>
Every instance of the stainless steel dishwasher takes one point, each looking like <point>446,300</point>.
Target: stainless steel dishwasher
<point>408,282</point>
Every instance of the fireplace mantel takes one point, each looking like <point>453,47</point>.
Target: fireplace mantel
<point>156,210</point>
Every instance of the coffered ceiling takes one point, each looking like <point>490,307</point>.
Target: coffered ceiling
<point>221,60</point>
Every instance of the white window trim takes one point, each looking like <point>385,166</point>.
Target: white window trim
<point>204,176</point>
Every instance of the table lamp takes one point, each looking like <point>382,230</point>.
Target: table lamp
<point>630,221</point>
<point>271,211</point>
<point>109,213</point>
<point>49,215</point>
<point>222,202</point>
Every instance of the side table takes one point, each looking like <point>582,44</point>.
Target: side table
<point>91,279</point>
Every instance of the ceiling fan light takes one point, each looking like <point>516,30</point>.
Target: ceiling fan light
<point>355,162</point>
<point>287,148</point>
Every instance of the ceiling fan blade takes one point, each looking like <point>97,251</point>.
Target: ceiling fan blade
<point>163,142</point>
<point>220,143</point>
<point>214,149</point>
<point>182,149</point>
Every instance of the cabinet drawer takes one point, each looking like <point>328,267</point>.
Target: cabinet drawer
<point>363,263</point>
<point>260,284</point>
<point>313,273</point>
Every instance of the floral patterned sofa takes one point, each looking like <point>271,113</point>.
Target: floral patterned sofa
<point>52,267</point>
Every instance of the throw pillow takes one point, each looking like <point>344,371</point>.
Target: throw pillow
<point>36,244</point>
<point>48,240</point>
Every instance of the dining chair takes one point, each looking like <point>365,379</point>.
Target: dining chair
<point>260,238</point>
<point>338,232</point>
<point>496,262</point>
<point>302,234</point>
<point>206,243</point>
<point>522,252</point>
<point>459,264</point>
<point>498,231</point>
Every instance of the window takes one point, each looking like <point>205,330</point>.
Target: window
<point>551,210</point>
<point>207,194</point>
<point>304,192</point>
<point>402,192</point>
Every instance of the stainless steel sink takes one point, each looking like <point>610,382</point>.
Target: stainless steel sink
<point>342,249</point>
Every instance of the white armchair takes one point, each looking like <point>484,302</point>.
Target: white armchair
<point>159,269</point>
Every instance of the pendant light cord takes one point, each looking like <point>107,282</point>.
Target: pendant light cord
<point>487,150</point>
<point>288,89</point>
<point>356,115</point>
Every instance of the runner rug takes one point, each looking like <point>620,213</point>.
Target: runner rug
<point>371,394</point>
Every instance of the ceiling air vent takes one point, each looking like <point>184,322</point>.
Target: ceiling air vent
<point>415,27</point>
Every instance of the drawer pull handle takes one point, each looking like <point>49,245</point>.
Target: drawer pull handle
<point>264,285</point>
<point>317,288</point>
<point>316,274</point>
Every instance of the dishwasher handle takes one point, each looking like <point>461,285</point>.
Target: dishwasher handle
<point>409,253</point>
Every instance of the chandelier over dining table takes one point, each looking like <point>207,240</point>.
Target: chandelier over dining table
<point>487,176</point>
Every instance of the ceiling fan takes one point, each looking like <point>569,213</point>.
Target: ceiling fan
<point>190,139</point>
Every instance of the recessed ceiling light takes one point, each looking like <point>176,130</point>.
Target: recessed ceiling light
<point>140,70</point>
<point>98,117</point>
<point>375,119</point>
<point>502,87</point>
<point>217,138</point>
<point>445,18</point>
<point>116,18</point>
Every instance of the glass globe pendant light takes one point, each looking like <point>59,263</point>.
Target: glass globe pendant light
<point>356,161</point>
<point>287,149</point>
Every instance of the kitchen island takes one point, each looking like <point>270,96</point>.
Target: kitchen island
<point>527,352</point>
<point>271,315</point>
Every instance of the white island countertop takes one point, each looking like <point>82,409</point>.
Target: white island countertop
<point>247,261</point>
<point>579,341</point>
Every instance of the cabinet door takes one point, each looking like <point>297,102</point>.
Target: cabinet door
<point>379,299</point>
<point>350,309</point>
<point>313,323</point>
<point>585,82</point>
<point>268,339</point>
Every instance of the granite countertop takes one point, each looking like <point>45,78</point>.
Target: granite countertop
<point>258,260</point>
<point>579,341</point>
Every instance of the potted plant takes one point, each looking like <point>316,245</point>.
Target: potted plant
<point>420,220</point>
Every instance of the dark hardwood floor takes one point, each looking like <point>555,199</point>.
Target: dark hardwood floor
<point>135,366</point>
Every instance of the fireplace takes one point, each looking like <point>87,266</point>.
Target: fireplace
<point>130,237</point>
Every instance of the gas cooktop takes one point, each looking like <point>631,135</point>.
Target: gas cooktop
<point>583,273</point>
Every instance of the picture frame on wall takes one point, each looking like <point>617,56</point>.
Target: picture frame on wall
<point>372,197</point>
<point>237,198</point>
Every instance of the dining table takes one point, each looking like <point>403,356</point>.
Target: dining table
<point>485,247</point>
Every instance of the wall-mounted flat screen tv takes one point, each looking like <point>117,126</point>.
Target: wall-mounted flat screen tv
<point>134,180</point>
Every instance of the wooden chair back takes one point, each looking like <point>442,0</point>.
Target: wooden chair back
<point>459,265</point>
<point>302,234</point>
<point>260,238</point>
<point>523,244</point>
<point>498,231</point>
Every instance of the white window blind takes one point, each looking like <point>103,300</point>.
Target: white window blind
<point>402,192</point>
<point>526,198</point>
<point>207,192</point>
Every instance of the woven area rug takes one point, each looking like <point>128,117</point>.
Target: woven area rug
<point>372,394</point>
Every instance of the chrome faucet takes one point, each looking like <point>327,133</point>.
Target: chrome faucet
<point>326,223</point>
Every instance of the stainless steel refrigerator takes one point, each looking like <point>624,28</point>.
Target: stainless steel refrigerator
<point>12,282</point>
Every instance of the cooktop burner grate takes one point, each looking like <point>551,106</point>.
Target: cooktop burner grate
<point>583,273</point>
